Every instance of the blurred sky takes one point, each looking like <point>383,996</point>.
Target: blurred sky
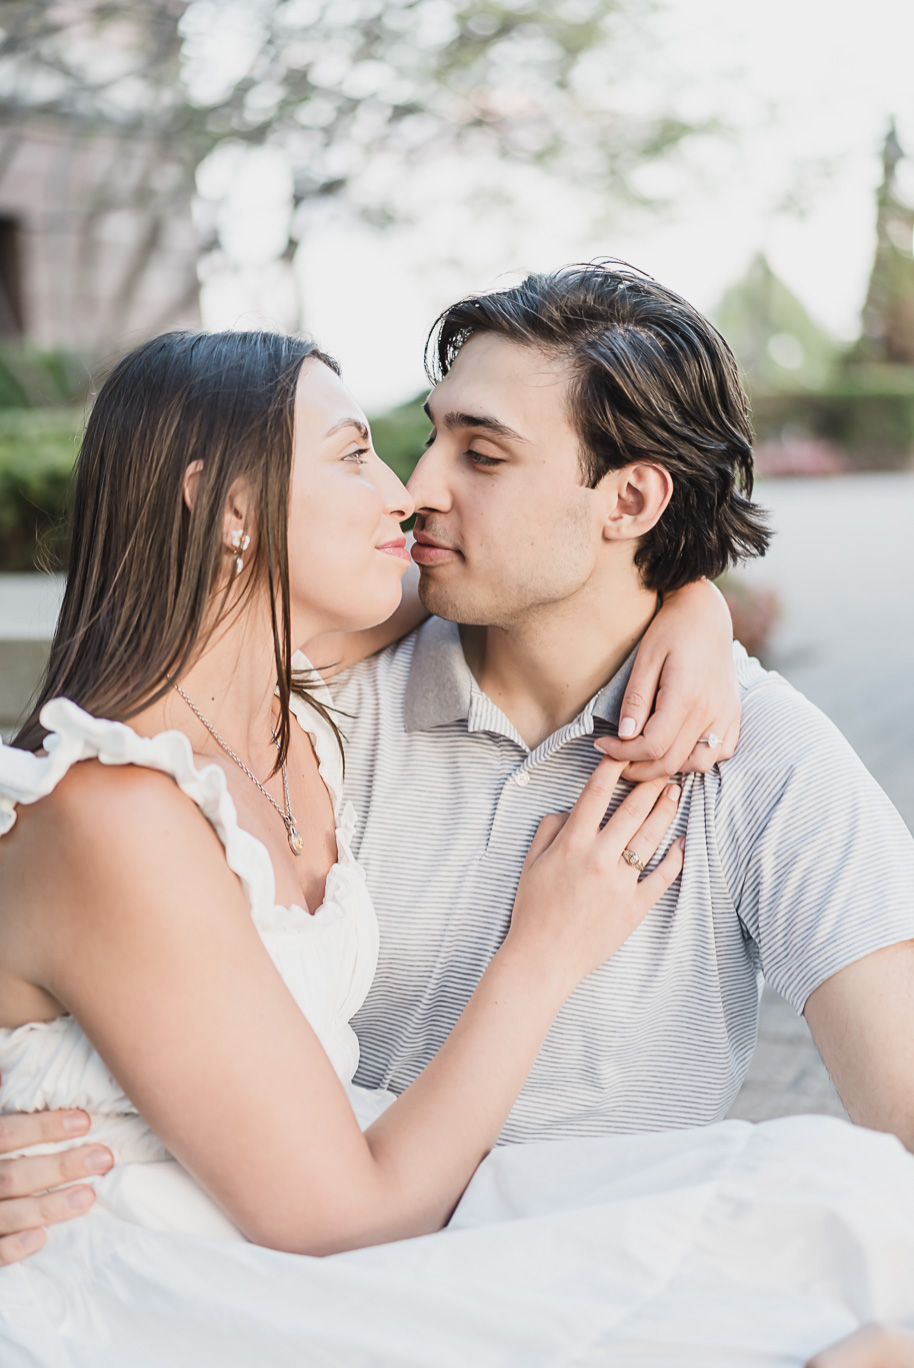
<point>807,87</point>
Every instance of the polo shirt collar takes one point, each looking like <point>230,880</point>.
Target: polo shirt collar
<point>440,687</point>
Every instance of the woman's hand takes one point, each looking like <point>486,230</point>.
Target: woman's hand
<point>684,671</point>
<point>875,1346</point>
<point>578,900</point>
<point>26,1204</point>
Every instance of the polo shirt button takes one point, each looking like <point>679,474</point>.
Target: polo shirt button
<point>522,778</point>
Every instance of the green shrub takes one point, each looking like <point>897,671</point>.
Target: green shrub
<point>867,411</point>
<point>37,451</point>
<point>400,434</point>
<point>30,378</point>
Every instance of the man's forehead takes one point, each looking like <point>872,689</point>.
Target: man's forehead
<point>494,375</point>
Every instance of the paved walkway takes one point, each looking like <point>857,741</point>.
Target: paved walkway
<point>843,566</point>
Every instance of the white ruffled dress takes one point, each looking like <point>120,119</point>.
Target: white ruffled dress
<point>735,1245</point>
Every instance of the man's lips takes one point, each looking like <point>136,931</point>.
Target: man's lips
<point>428,551</point>
<point>395,548</point>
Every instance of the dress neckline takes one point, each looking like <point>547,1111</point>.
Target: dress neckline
<point>74,735</point>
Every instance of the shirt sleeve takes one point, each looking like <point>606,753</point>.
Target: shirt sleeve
<point>819,864</point>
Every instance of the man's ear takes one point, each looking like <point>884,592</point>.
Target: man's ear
<point>638,496</point>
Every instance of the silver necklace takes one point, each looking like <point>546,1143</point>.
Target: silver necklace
<point>295,841</point>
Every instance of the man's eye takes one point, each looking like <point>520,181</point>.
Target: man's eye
<point>357,456</point>
<point>485,462</point>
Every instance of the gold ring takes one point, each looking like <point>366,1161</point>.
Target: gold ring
<point>633,859</point>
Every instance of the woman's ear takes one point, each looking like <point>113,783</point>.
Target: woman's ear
<point>639,495</point>
<point>235,517</point>
<point>191,482</point>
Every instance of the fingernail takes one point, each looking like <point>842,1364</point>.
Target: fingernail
<point>80,1198</point>
<point>674,793</point>
<point>627,727</point>
<point>30,1240</point>
<point>682,843</point>
<point>76,1123</point>
<point>598,745</point>
<point>98,1161</point>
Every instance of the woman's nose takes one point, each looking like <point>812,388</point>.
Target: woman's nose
<point>398,500</point>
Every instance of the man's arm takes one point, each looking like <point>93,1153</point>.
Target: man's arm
<point>873,1346</point>
<point>862,1020</point>
<point>820,868</point>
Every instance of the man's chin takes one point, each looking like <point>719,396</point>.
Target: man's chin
<point>445,600</point>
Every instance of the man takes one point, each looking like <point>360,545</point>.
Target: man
<point>590,440</point>
<point>590,448</point>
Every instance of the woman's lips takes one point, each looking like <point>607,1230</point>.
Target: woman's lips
<point>426,551</point>
<point>396,548</point>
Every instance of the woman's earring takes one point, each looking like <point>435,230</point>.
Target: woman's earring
<point>239,542</point>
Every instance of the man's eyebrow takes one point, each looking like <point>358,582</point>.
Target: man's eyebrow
<point>454,420</point>
<point>356,423</point>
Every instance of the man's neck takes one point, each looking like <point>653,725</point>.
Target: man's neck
<point>542,669</point>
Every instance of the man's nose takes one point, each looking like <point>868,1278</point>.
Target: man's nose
<point>427,484</point>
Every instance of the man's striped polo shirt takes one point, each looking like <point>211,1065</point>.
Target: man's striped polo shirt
<point>796,865</point>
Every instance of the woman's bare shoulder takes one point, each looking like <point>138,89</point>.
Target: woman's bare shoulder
<point>104,825</point>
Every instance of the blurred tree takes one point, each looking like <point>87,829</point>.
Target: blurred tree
<point>888,314</point>
<point>351,91</point>
<point>778,345</point>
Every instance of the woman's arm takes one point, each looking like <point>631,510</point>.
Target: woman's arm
<point>683,687</point>
<point>143,934</point>
<point>336,651</point>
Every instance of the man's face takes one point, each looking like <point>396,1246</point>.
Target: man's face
<point>505,526</point>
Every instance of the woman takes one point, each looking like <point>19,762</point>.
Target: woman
<point>228,505</point>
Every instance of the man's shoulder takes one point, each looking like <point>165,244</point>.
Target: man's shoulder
<point>782,730</point>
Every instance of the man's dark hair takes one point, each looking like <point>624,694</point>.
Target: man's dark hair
<point>652,381</point>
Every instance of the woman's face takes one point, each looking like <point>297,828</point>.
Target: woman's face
<point>347,553</point>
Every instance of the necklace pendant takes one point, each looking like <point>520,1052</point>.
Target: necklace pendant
<point>295,841</point>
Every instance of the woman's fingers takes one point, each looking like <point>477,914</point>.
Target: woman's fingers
<point>688,752</point>
<point>640,693</point>
<point>595,797</point>
<point>628,818</point>
<point>644,842</point>
<point>667,872</point>
<point>704,757</point>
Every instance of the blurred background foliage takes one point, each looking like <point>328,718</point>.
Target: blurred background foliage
<point>353,93</point>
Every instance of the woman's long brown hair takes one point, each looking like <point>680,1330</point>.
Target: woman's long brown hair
<point>142,566</point>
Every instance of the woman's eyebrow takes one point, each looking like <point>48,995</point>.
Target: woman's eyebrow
<point>455,420</point>
<point>356,423</point>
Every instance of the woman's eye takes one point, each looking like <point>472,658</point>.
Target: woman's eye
<point>429,439</point>
<point>484,462</point>
<point>357,456</point>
